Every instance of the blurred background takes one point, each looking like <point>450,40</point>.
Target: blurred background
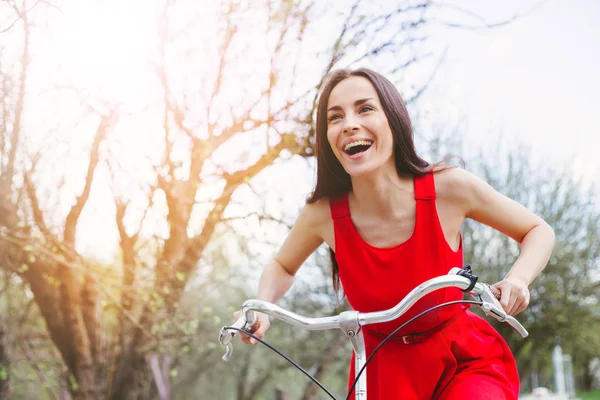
<point>154,154</point>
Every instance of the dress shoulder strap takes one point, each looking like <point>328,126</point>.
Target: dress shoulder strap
<point>425,187</point>
<point>339,206</point>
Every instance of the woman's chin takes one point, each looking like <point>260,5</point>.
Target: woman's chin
<point>360,171</point>
<point>368,169</point>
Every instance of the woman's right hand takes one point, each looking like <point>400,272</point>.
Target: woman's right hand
<point>259,329</point>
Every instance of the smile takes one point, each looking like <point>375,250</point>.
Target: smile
<point>358,146</point>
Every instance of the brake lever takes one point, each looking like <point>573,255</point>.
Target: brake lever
<point>227,334</point>
<point>491,303</point>
<point>492,307</point>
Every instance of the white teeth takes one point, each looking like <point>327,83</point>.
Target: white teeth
<point>357,143</point>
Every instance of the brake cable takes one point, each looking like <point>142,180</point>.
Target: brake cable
<point>384,341</point>
<point>284,356</point>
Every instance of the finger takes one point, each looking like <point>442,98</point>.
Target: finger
<point>517,298</point>
<point>522,305</point>
<point>522,300</point>
<point>518,307</point>
<point>513,304</point>
<point>260,333</point>
<point>246,338</point>
<point>504,297</point>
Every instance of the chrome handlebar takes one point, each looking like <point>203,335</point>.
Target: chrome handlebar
<point>480,291</point>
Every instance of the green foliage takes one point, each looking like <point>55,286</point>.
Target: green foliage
<point>564,298</point>
<point>254,372</point>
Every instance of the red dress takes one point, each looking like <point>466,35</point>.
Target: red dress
<point>454,354</point>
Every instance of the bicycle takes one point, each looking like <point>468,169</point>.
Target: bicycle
<point>350,322</point>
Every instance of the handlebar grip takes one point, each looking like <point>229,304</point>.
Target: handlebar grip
<point>254,326</point>
<point>495,291</point>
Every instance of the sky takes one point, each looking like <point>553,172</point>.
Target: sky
<point>533,81</point>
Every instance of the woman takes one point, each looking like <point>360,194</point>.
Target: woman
<point>393,221</point>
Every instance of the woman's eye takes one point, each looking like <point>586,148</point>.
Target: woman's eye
<point>334,117</point>
<point>366,108</point>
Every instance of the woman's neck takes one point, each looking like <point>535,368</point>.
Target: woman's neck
<point>381,193</point>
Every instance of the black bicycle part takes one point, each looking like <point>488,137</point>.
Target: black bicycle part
<point>284,356</point>
<point>468,273</point>
<point>384,341</point>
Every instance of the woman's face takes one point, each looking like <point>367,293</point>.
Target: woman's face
<point>357,128</point>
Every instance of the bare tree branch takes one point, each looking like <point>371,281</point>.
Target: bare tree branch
<point>422,89</point>
<point>198,243</point>
<point>483,25</point>
<point>230,31</point>
<point>389,46</point>
<point>38,214</point>
<point>81,200</point>
<point>20,103</point>
<point>21,14</point>
<point>261,217</point>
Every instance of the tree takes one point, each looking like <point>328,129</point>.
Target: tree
<point>5,391</point>
<point>564,296</point>
<point>200,120</point>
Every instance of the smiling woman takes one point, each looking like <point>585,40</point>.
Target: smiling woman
<point>391,221</point>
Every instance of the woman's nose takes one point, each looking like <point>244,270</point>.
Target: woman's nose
<point>350,124</point>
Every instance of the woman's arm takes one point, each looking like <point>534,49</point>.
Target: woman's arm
<point>304,238</point>
<point>535,236</point>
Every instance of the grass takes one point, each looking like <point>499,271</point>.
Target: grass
<point>595,395</point>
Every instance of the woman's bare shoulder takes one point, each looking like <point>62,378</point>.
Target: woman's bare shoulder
<point>454,184</point>
<point>317,212</point>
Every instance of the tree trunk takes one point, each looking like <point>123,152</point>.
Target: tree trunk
<point>322,365</point>
<point>589,374</point>
<point>161,373</point>
<point>281,394</point>
<point>5,392</point>
<point>131,377</point>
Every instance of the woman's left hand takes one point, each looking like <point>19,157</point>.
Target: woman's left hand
<point>514,296</point>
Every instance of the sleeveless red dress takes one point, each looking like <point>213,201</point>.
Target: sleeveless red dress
<point>447,354</point>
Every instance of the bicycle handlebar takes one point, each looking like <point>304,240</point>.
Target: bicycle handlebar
<point>480,291</point>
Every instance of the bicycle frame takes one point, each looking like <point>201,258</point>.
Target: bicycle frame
<point>350,322</point>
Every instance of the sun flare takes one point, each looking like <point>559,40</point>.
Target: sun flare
<point>104,45</point>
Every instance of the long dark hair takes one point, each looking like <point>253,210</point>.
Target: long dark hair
<point>332,179</point>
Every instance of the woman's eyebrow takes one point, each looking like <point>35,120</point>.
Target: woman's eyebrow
<point>356,103</point>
